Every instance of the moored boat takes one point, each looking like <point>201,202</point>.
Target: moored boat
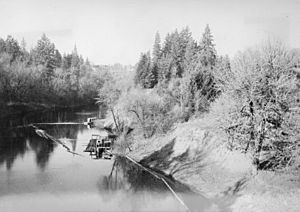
<point>100,146</point>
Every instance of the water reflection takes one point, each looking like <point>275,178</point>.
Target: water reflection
<point>16,138</point>
<point>66,133</point>
<point>37,174</point>
<point>16,143</point>
<point>134,189</point>
<point>127,176</point>
<point>43,150</point>
<point>52,116</point>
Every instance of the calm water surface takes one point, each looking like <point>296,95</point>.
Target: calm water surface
<point>39,175</point>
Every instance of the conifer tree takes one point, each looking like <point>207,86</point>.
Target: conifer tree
<point>152,76</point>
<point>208,53</point>
<point>75,71</point>
<point>12,47</point>
<point>2,45</point>
<point>156,49</point>
<point>190,52</point>
<point>58,59</point>
<point>24,53</point>
<point>66,61</point>
<point>142,70</point>
<point>44,54</point>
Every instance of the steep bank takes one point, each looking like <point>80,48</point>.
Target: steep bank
<point>194,153</point>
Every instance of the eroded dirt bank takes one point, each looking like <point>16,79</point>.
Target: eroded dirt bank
<point>195,154</point>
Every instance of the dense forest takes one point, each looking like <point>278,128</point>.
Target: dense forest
<point>254,97</point>
<point>44,76</point>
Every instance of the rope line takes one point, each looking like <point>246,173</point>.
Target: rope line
<point>164,181</point>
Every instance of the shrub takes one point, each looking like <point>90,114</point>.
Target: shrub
<point>260,106</point>
<point>147,109</point>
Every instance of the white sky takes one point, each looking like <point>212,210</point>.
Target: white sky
<point>119,30</point>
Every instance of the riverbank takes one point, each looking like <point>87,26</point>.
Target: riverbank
<point>17,108</point>
<point>195,154</point>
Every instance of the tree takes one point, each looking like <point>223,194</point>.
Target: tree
<point>67,61</point>
<point>172,61</point>
<point>2,45</point>
<point>222,72</point>
<point>207,54</point>
<point>12,48</point>
<point>75,72</point>
<point>165,67</point>
<point>156,54</point>
<point>108,96</point>
<point>58,59</point>
<point>24,53</point>
<point>147,109</point>
<point>143,71</point>
<point>190,52</point>
<point>264,117</point>
<point>44,54</point>
<point>184,40</point>
<point>203,88</point>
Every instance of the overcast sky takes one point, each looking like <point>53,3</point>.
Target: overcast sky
<point>119,30</point>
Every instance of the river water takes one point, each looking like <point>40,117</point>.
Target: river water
<point>39,175</point>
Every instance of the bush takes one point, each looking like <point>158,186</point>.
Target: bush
<point>149,111</point>
<point>259,108</point>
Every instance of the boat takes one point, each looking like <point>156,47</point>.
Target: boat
<point>90,121</point>
<point>100,146</point>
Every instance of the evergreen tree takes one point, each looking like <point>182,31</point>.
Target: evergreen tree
<point>58,59</point>
<point>190,52</point>
<point>202,61</point>
<point>172,62</point>
<point>24,53</point>
<point>207,53</point>
<point>75,71</point>
<point>156,49</point>
<point>169,55</point>
<point>23,45</point>
<point>2,45</point>
<point>87,62</point>
<point>152,76</point>
<point>66,61</point>
<point>12,47</point>
<point>222,72</point>
<point>166,49</point>
<point>44,54</point>
<point>182,41</point>
<point>75,58</point>
<point>142,71</point>
<point>165,66</point>
<point>175,54</point>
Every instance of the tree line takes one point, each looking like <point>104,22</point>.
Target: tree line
<point>185,66</point>
<point>44,75</point>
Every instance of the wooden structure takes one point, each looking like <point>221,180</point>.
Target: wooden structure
<point>100,146</point>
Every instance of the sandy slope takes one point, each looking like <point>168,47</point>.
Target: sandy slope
<point>195,154</point>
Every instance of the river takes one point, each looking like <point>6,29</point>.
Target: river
<point>39,175</point>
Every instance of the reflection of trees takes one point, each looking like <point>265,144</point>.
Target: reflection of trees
<point>43,150</point>
<point>10,148</point>
<point>15,143</point>
<point>66,131</point>
<point>126,175</point>
<point>25,117</point>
